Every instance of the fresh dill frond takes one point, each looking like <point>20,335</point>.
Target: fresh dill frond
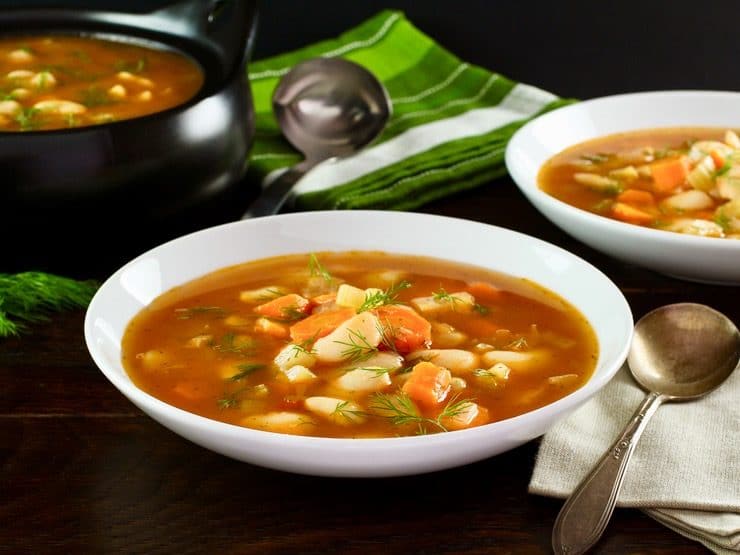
<point>480,309</point>
<point>387,334</point>
<point>399,409</point>
<point>192,312</point>
<point>377,370</point>
<point>245,370</point>
<point>30,297</point>
<point>95,96</point>
<point>344,410</point>
<point>381,298</point>
<point>305,347</point>
<point>28,119</point>
<point>519,344</point>
<point>230,344</point>
<point>291,314</point>
<point>597,158</point>
<point>315,268</point>
<point>270,294</point>
<point>228,402</point>
<point>722,220</point>
<point>357,347</point>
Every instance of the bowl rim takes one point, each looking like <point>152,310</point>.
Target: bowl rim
<point>140,398</point>
<point>526,179</point>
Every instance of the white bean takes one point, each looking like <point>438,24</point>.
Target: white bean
<point>354,338</point>
<point>457,360</point>
<point>63,107</point>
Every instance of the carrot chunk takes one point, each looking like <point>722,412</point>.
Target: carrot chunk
<point>630,214</point>
<point>636,196</point>
<point>286,307</point>
<point>470,414</point>
<point>669,174</point>
<point>718,159</point>
<point>429,384</point>
<point>319,324</point>
<point>483,291</point>
<point>406,328</point>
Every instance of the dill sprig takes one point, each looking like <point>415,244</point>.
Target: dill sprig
<point>357,347</point>
<point>399,409</point>
<point>30,297</point>
<point>381,298</point>
<point>192,312</point>
<point>315,268</point>
<point>245,370</point>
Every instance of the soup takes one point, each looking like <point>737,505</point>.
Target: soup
<point>685,180</point>
<point>57,81</point>
<point>358,345</point>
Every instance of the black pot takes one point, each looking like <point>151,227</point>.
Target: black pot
<point>140,174</point>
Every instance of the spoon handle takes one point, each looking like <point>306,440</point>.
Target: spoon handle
<point>587,511</point>
<point>274,196</point>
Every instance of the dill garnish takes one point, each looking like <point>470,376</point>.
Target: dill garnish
<point>357,347</point>
<point>480,309</point>
<point>315,268</point>
<point>28,119</point>
<point>399,409</point>
<point>519,344</point>
<point>231,344</point>
<point>29,297</point>
<point>192,312</point>
<point>380,298</point>
<point>245,370</point>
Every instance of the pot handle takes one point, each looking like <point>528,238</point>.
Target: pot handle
<point>228,26</point>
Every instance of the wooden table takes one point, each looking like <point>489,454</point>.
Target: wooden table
<point>84,471</point>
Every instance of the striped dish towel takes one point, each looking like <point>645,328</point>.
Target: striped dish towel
<point>448,132</point>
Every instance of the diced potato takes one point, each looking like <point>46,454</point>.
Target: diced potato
<point>468,414</point>
<point>462,301</point>
<point>500,371</point>
<point>597,182</point>
<point>626,175</point>
<point>352,339</point>
<point>644,171</point>
<point>260,390</point>
<point>456,360</point>
<point>144,96</point>
<point>294,355</point>
<point>299,374</point>
<point>235,321</point>
<point>731,139</point>
<point>702,176</point>
<point>153,359</point>
<point>563,380</point>
<point>263,294</point>
<point>446,336</point>
<point>688,200</point>
<point>271,328</point>
<point>350,296</point>
<point>729,186</point>
<point>364,380</point>
<point>497,375</point>
<point>281,422</point>
<point>199,341</point>
<point>335,410</point>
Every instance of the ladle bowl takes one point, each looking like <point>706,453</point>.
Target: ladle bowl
<point>327,108</point>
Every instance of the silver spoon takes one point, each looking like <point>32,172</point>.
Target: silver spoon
<point>679,352</point>
<point>326,108</point>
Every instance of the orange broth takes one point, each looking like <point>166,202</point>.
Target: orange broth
<point>623,177</point>
<point>59,81</point>
<point>206,346</point>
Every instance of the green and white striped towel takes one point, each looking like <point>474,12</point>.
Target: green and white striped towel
<point>450,125</point>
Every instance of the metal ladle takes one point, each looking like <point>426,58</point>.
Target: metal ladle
<point>679,352</point>
<point>326,108</point>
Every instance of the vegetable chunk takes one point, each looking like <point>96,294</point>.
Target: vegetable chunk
<point>429,384</point>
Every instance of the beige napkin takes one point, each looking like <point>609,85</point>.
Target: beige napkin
<point>685,471</point>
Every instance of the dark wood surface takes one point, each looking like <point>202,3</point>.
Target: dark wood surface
<point>83,471</point>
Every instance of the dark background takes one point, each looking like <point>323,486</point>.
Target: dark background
<point>84,471</point>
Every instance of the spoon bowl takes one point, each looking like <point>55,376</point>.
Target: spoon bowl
<point>679,352</point>
<point>326,108</point>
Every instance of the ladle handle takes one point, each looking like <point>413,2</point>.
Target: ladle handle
<point>275,195</point>
<point>587,511</point>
